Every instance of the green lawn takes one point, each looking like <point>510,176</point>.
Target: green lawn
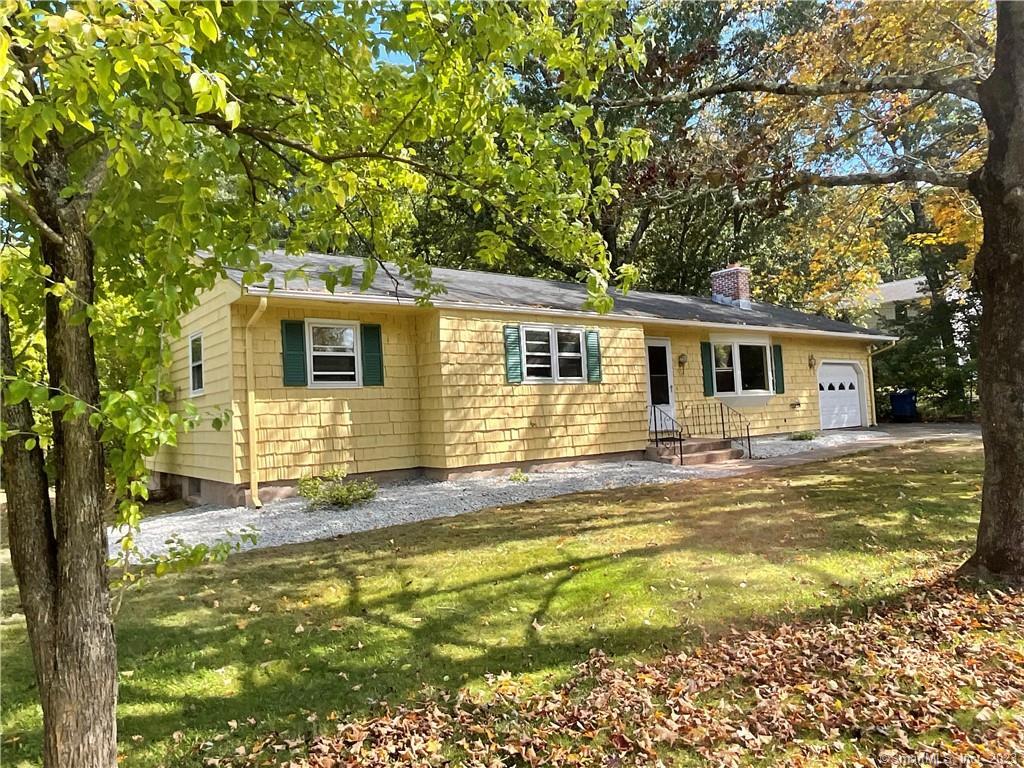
<point>298,636</point>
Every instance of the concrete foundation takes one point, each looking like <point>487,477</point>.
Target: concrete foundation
<point>197,490</point>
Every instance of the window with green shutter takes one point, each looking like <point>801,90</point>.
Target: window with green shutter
<point>593,356</point>
<point>539,354</point>
<point>293,352</point>
<point>372,350</point>
<point>780,377</point>
<point>707,362</point>
<point>548,353</point>
<point>738,367</point>
<point>333,353</point>
<point>513,355</point>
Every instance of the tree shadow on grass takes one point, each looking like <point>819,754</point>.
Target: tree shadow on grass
<point>529,590</point>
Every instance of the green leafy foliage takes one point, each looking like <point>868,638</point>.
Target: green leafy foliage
<point>188,159</point>
<point>920,361</point>
<point>938,330</point>
<point>803,435</point>
<point>332,490</point>
<point>132,572</point>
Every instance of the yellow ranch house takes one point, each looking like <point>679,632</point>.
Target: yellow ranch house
<point>497,372</point>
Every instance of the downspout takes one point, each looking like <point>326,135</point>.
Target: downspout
<point>250,402</point>
<point>872,417</point>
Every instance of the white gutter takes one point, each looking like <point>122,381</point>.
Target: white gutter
<point>393,301</point>
<point>250,402</point>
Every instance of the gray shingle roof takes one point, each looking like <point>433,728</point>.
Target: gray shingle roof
<point>490,290</point>
<point>911,289</point>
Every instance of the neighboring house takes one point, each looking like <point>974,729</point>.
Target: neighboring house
<point>897,300</point>
<point>499,371</point>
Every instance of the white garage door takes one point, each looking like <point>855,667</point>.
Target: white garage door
<point>839,393</point>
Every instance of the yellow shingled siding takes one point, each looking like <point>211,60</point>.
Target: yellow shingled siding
<point>797,409</point>
<point>204,452</point>
<point>431,414</point>
<point>489,421</point>
<point>445,403</point>
<point>309,430</point>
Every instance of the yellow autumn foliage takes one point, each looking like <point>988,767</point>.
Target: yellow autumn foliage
<point>835,258</point>
<point>837,255</point>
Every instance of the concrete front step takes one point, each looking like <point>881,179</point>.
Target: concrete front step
<point>694,452</point>
<point>694,445</point>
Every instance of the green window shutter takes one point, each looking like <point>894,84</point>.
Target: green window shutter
<point>707,361</point>
<point>371,348</point>
<point>513,355</point>
<point>593,357</point>
<point>293,352</point>
<point>780,383</point>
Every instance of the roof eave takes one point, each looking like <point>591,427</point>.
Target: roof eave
<point>392,301</point>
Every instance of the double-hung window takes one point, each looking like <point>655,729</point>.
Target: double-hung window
<point>742,368</point>
<point>553,354</point>
<point>195,364</point>
<point>569,354</point>
<point>333,353</point>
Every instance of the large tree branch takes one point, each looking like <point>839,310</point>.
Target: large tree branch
<point>93,181</point>
<point>875,178</point>
<point>867,179</point>
<point>267,136</point>
<point>642,224</point>
<point>33,215</point>
<point>964,87</point>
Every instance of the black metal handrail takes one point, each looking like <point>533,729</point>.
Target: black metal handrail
<point>713,417</point>
<point>703,419</point>
<point>666,429</point>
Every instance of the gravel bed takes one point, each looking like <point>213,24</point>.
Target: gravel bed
<point>769,447</point>
<point>292,521</point>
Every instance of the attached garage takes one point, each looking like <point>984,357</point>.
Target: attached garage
<point>840,395</point>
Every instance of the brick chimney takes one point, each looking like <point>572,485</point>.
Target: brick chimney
<point>731,286</point>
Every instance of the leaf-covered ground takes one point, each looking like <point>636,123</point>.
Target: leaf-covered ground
<point>294,640</point>
<point>935,678</point>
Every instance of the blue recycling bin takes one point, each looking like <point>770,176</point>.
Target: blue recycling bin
<point>904,405</point>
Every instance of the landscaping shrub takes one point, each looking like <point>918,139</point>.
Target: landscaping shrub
<point>331,490</point>
<point>518,476</point>
<point>803,436</point>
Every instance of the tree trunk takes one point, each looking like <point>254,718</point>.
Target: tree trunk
<point>60,560</point>
<point>30,532</point>
<point>999,270</point>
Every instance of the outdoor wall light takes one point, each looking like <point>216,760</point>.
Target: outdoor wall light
<point>811,361</point>
<point>682,360</point>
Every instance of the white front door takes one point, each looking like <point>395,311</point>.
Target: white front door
<point>839,396</point>
<point>661,400</point>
